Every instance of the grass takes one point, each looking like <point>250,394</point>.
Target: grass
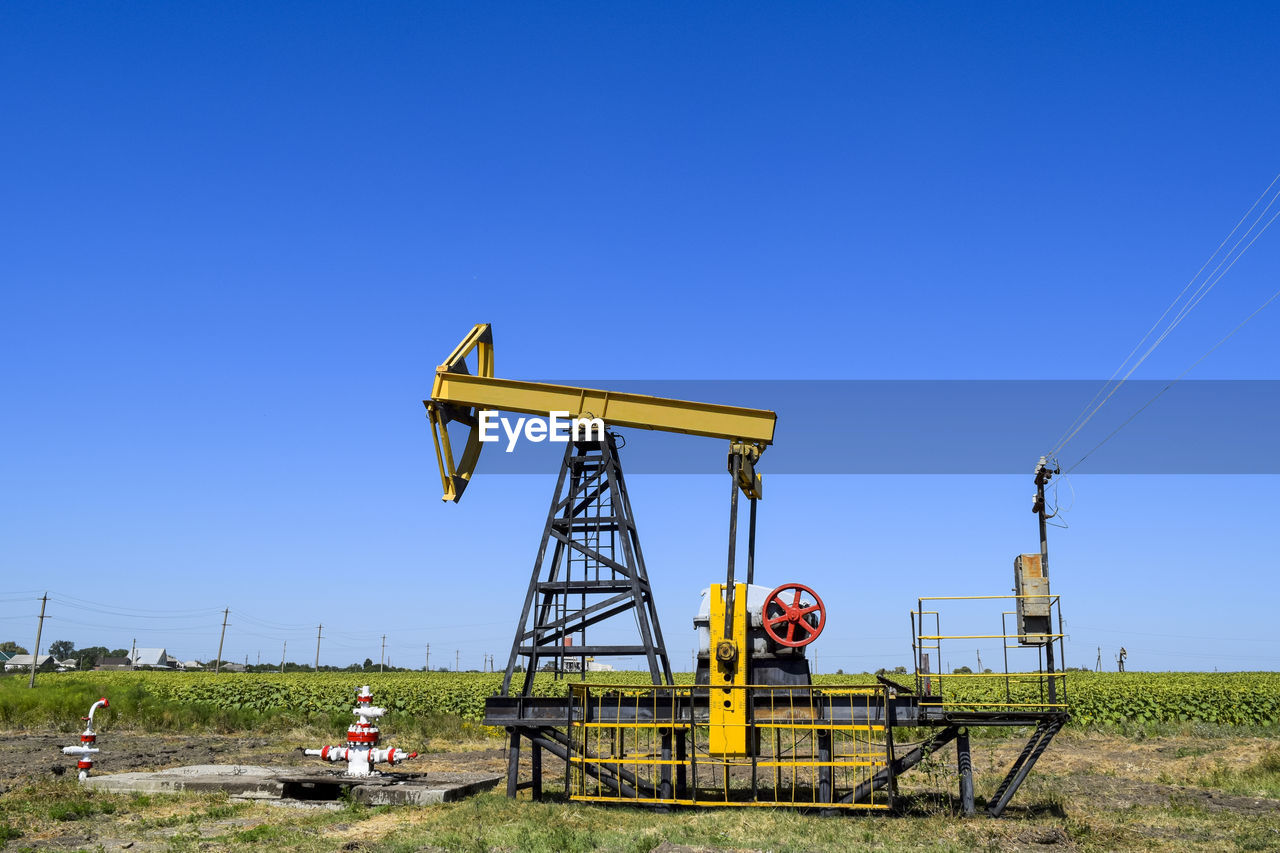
<point>1261,779</point>
<point>78,809</point>
<point>1065,802</point>
<point>491,822</point>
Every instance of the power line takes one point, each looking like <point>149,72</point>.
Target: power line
<point>1176,380</point>
<point>1196,297</point>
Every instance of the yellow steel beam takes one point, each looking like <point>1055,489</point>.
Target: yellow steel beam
<point>615,408</point>
<point>458,396</point>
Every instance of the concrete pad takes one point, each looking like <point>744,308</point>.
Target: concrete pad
<point>289,783</point>
<point>428,789</point>
<point>239,780</point>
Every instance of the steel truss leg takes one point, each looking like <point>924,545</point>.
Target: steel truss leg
<point>664,772</point>
<point>535,759</point>
<point>589,568</point>
<point>964,764</point>
<point>632,782</point>
<point>513,763</point>
<point>559,750</point>
<point>897,766</point>
<point>1036,745</point>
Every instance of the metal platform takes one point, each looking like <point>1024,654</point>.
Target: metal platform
<point>820,747</point>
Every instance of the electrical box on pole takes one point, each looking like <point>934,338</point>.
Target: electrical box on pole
<point>1032,588</point>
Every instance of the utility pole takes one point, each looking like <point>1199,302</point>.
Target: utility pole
<point>979,651</point>
<point>426,665</point>
<point>319,628</point>
<point>382,658</point>
<point>1043,474</point>
<point>1097,667</point>
<point>133,654</point>
<point>35,654</point>
<point>457,660</point>
<point>259,663</point>
<point>283,649</point>
<point>217,664</point>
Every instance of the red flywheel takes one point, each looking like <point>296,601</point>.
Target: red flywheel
<point>788,615</point>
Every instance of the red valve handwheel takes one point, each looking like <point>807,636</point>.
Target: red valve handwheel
<point>788,619</point>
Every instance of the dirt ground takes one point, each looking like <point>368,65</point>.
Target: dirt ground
<point>1089,792</point>
<point>35,756</point>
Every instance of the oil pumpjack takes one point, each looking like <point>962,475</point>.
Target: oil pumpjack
<point>753,729</point>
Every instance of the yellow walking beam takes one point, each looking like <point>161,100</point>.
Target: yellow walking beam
<point>614,408</point>
<point>457,395</point>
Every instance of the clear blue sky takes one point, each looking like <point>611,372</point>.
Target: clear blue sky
<point>237,239</point>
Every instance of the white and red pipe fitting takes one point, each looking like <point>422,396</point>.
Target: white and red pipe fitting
<point>362,752</point>
<point>88,742</point>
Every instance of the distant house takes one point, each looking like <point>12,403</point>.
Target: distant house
<point>191,665</point>
<point>4,656</point>
<point>67,665</point>
<point>113,663</point>
<point>234,667</point>
<point>18,663</point>
<point>153,659</point>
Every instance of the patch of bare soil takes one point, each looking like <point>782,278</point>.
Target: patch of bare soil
<point>36,755</point>
<point>1113,793</point>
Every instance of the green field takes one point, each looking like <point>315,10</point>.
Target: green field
<point>1227,699</point>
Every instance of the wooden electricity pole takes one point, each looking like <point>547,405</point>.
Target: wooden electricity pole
<point>35,653</point>
<point>382,657</point>
<point>1043,474</point>
<point>283,649</point>
<point>426,667</point>
<point>217,664</point>
<point>319,628</point>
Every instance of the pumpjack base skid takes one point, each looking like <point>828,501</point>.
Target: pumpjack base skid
<point>663,770</point>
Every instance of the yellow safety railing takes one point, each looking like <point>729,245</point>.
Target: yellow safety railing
<point>1016,690</point>
<point>808,746</point>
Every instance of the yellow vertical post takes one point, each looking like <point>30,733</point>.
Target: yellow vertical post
<point>728,735</point>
